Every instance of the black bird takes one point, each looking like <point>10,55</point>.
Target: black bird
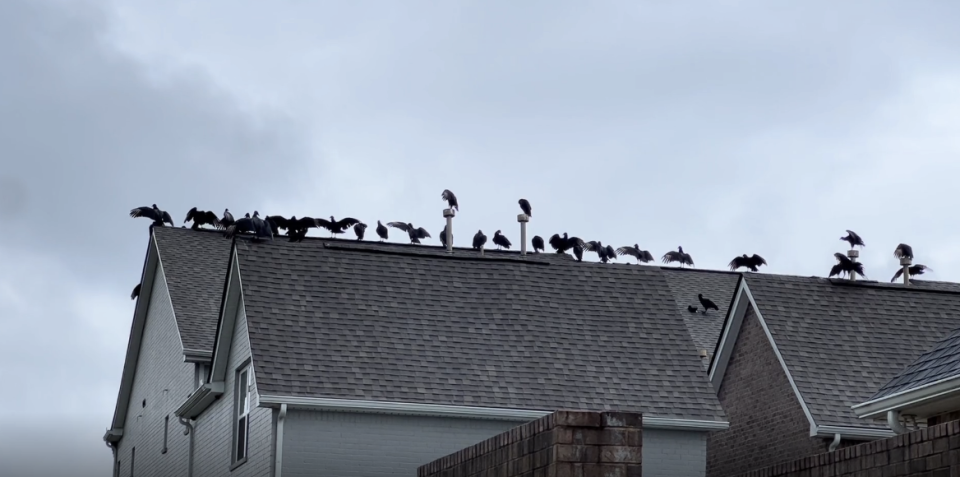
<point>525,207</point>
<point>845,266</point>
<point>691,308</point>
<point>479,240</point>
<point>335,226</point>
<point>415,233</point>
<point>443,236</point>
<point>537,243</point>
<point>746,261</point>
<point>913,270</point>
<point>681,256</point>
<point>153,212</point>
<point>451,199</point>
<point>293,225</point>
<point>707,303</point>
<point>256,226</point>
<point>903,251</point>
<point>501,240</point>
<point>641,255</point>
<point>297,235</point>
<point>359,229</point>
<point>604,252</point>
<point>227,219</point>
<point>562,244</point>
<point>136,292</point>
<point>578,251</point>
<point>202,217</point>
<point>382,231</point>
<point>853,239</point>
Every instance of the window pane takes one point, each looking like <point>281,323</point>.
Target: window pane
<point>242,438</point>
<point>242,394</point>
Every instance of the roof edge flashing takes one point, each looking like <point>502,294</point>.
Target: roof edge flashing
<point>899,401</point>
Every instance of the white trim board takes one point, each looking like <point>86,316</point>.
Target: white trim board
<point>443,410</point>
<point>728,338</point>
<point>931,392</point>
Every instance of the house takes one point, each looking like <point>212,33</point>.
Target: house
<point>927,391</point>
<point>796,353</point>
<point>361,358</point>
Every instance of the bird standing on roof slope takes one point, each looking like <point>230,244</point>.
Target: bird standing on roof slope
<point>746,261</point>
<point>382,231</point>
<point>537,243</point>
<point>641,255</point>
<point>451,199</point>
<point>903,251</point>
<point>578,251</point>
<point>136,292</point>
<point>680,256</point>
<point>443,236</point>
<point>479,240</point>
<point>153,212</point>
<point>227,219</point>
<point>202,217</point>
<point>335,226</point>
<point>525,207</point>
<point>845,265</point>
<point>691,308</point>
<point>500,240</point>
<point>415,234</point>
<point>360,229</point>
<point>707,303</point>
<point>853,239</point>
<point>913,270</point>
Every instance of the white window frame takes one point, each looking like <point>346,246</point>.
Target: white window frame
<point>241,421</point>
<point>203,374</point>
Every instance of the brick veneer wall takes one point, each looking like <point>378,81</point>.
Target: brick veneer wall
<point>562,444</point>
<point>930,452</point>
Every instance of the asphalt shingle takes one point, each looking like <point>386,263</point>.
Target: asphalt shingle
<point>941,362</point>
<point>842,342</point>
<point>369,321</point>
<point>717,285</point>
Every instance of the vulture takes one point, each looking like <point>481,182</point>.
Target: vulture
<point>680,256</point>
<point>746,261</point>
<point>903,251</point>
<point>641,255</point>
<point>479,240</point>
<point>501,240</point>
<point>707,303</point>
<point>853,239</point>
<point>691,308</point>
<point>251,225</point>
<point>359,229</point>
<point>578,251</point>
<point>415,233</point>
<point>443,236</point>
<point>293,225</point>
<point>202,217</point>
<point>845,266</point>
<point>335,226</point>
<point>136,292</point>
<point>562,244</point>
<point>153,212</point>
<point>605,253</point>
<point>451,199</point>
<point>227,219</point>
<point>525,207</point>
<point>382,231</point>
<point>296,235</point>
<point>913,270</point>
<point>537,243</point>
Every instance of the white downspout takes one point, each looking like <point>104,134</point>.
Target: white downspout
<point>835,443</point>
<point>893,421</point>
<point>116,468</point>
<point>278,463</point>
<point>188,431</point>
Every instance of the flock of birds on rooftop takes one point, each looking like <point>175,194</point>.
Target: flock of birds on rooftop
<point>266,228</point>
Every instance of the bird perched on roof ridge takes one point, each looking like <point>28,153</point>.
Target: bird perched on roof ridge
<point>337,226</point>
<point>382,231</point>
<point>746,261</point>
<point>707,303</point>
<point>359,229</point>
<point>227,219</point>
<point>501,240</point>
<point>845,265</point>
<point>415,234</point>
<point>202,217</point>
<point>678,256</point>
<point>912,270</point>
<point>537,243</point>
<point>479,240</point>
<point>578,251</point>
<point>451,199</point>
<point>525,207</point>
<point>641,255</point>
<point>562,244</point>
<point>153,212</point>
<point>903,251</point>
<point>853,239</point>
<point>443,236</point>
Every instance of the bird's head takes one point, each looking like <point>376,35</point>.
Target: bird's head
<point>636,246</point>
<point>565,236</point>
<point>378,223</point>
<point>155,206</point>
<point>700,296</point>
<point>680,249</point>
<point>226,210</point>
<point>256,213</point>
<point>331,219</point>
<point>496,233</point>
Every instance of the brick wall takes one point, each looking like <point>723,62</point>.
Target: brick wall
<point>562,444</point>
<point>930,452</point>
<point>767,424</point>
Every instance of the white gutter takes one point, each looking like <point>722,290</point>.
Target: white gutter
<point>278,463</point>
<point>893,421</point>
<point>944,388</point>
<point>444,410</point>
<point>853,433</point>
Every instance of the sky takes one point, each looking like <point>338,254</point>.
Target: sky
<point>726,127</point>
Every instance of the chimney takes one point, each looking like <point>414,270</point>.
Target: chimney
<point>853,255</point>
<point>448,214</point>
<point>523,219</point>
<point>905,262</point>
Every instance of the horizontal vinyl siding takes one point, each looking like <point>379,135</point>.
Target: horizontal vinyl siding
<point>674,453</point>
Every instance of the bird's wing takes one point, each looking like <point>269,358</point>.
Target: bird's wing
<point>190,214</point>
<point>228,216</point>
<point>324,223</point>
<point>736,262</point>
<point>280,221</point>
<point>346,222</point>
<point>556,242</point>
<point>591,246</point>
<point>903,250</point>
<point>627,250</point>
<point>647,256</point>
<point>836,270</point>
<point>670,256</point>
<point>448,196</point>
<point>577,241</point>
<point>422,233</point>
<point>211,218</point>
<point>758,260</point>
<point>897,275</point>
<point>303,223</point>
<point>858,267</point>
<point>167,218</point>
<point>610,252</point>
<point>396,225</point>
<point>686,259</point>
<point>136,291</point>
<point>360,226</point>
<point>144,212</point>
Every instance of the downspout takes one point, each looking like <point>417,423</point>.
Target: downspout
<point>893,421</point>
<point>835,443</point>
<point>278,463</point>
<point>188,431</point>
<point>116,468</point>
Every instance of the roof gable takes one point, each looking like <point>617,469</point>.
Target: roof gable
<point>939,363</point>
<point>348,320</point>
<point>717,285</point>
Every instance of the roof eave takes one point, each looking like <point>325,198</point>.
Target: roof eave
<point>197,356</point>
<point>947,388</point>
<point>112,436</point>
<point>200,400</point>
<point>853,433</point>
<point>230,304</point>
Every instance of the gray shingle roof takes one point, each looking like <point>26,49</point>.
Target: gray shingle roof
<point>718,286</point>
<point>842,342</point>
<point>941,362</point>
<point>195,267</point>
<point>363,321</point>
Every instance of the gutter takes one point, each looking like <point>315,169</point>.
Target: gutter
<point>470,412</point>
<point>937,390</point>
<point>278,463</point>
<point>200,400</point>
<point>852,433</point>
<point>197,356</point>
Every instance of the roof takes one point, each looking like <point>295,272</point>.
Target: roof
<point>842,340</point>
<point>404,323</point>
<point>718,286</point>
<point>195,266</point>
<point>939,363</point>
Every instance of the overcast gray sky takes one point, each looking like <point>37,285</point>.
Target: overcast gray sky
<point>725,127</point>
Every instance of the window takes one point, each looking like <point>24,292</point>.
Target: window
<point>133,459</point>
<point>203,375</point>
<point>242,421</point>
<point>166,428</point>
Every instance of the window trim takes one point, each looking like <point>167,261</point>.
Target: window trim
<point>166,431</point>
<point>202,375</point>
<point>245,371</point>
<point>133,459</point>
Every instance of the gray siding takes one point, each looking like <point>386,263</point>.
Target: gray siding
<point>373,445</point>
<point>164,380</point>
<point>674,453</point>
<point>214,428</point>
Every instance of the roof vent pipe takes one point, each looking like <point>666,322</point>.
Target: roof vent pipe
<point>893,421</point>
<point>905,262</point>
<point>853,255</point>
<point>523,219</point>
<point>448,214</point>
